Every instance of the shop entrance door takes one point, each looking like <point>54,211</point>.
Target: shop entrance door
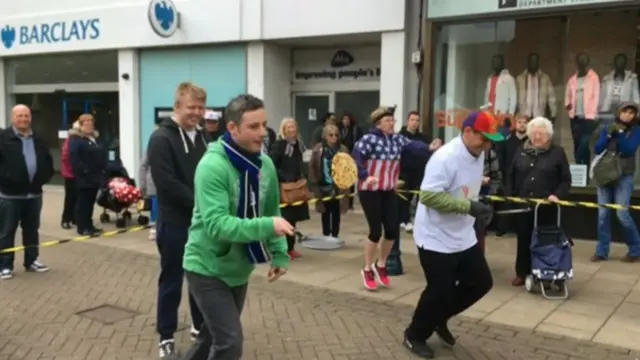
<point>308,110</point>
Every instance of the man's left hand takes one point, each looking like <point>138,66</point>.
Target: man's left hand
<point>275,273</point>
<point>553,199</point>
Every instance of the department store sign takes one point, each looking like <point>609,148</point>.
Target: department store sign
<point>450,8</point>
<point>537,4</point>
<point>336,65</point>
<point>50,33</point>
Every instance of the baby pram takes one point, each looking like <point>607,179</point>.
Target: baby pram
<point>551,259</point>
<point>109,202</point>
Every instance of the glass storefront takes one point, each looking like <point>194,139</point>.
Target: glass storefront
<point>529,65</point>
<point>60,87</point>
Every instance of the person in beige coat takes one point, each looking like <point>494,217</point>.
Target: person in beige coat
<point>321,183</point>
<point>535,91</point>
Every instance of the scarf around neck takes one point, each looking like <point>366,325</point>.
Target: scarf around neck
<point>248,165</point>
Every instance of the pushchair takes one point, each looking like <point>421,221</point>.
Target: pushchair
<point>551,259</point>
<point>109,202</point>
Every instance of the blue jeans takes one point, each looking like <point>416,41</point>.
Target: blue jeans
<point>153,213</point>
<point>26,213</point>
<point>618,193</point>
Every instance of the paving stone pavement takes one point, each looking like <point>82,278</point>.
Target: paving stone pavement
<point>39,318</point>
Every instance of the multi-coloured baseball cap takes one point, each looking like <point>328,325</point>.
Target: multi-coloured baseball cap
<point>484,123</point>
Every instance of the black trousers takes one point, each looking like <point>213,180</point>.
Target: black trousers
<point>171,240</point>
<point>291,239</point>
<point>331,218</point>
<point>84,208</point>
<point>70,200</point>
<point>547,216</point>
<point>442,298</point>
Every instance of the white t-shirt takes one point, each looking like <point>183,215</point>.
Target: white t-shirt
<point>451,169</point>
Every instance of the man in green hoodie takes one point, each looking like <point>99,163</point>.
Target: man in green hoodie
<point>236,224</point>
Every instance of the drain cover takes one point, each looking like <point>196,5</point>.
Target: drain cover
<point>107,314</point>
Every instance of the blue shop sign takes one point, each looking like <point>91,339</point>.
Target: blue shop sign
<point>50,33</point>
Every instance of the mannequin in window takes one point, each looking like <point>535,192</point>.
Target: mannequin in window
<point>618,86</point>
<point>535,91</point>
<point>581,101</point>
<point>501,88</point>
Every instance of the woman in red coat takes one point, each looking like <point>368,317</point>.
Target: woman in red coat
<point>70,196</point>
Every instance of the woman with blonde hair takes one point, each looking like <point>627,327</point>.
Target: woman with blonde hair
<point>70,191</point>
<point>286,154</point>
<point>89,164</point>
<point>321,181</point>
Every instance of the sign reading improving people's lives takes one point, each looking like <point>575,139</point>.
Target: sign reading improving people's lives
<point>342,64</point>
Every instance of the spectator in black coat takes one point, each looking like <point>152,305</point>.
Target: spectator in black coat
<point>350,132</point>
<point>412,168</point>
<point>540,169</point>
<point>89,164</point>
<point>506,151</point>
<point>25,165</point>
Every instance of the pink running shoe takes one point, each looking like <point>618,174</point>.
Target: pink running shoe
<point>369,279</point>
<point>381,275</point>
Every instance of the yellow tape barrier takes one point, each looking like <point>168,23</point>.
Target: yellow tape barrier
<point>81,238</point>
<point>491,198</point>
<point>534,201</point>
<point>315,200</point>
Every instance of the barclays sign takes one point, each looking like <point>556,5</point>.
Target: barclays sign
<point>50,33</point>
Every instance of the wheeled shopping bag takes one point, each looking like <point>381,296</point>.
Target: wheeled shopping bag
<point>551,259</point>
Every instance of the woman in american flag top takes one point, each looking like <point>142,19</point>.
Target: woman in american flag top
<point>377,155</point>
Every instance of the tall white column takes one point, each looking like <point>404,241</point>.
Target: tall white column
<point>4,97</point>
<point>392,63</point>
<point>129,115</point>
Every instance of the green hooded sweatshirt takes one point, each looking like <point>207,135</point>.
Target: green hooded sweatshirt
<point>218,237</point>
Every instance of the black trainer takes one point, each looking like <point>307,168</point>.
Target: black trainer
<point>418,347</point>
<point>446,337</point>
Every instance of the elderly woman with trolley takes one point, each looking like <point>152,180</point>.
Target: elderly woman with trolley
<point>540,169</point>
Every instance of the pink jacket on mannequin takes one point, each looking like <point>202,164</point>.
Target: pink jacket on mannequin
<point>591,95</point>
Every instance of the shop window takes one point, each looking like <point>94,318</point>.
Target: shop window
<point>467,56</point>
<point>85,67</point>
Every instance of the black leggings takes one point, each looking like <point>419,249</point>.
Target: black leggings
<point>381,211</point>
<point>331,218</point>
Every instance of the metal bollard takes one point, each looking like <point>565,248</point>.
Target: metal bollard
<point>394,261</point>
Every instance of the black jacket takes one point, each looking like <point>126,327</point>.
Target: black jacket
<point>412,165</point>
<point>507,149</point>
<point>14,178</point>
<point>173,158</point>
<point>541,175</point>
<point>89,162</point>
<point>350,135</point>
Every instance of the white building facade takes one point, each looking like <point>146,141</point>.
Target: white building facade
<point>122,61</point>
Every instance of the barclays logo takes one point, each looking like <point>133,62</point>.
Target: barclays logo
<point>50,33</point>
<point>164,18</point>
